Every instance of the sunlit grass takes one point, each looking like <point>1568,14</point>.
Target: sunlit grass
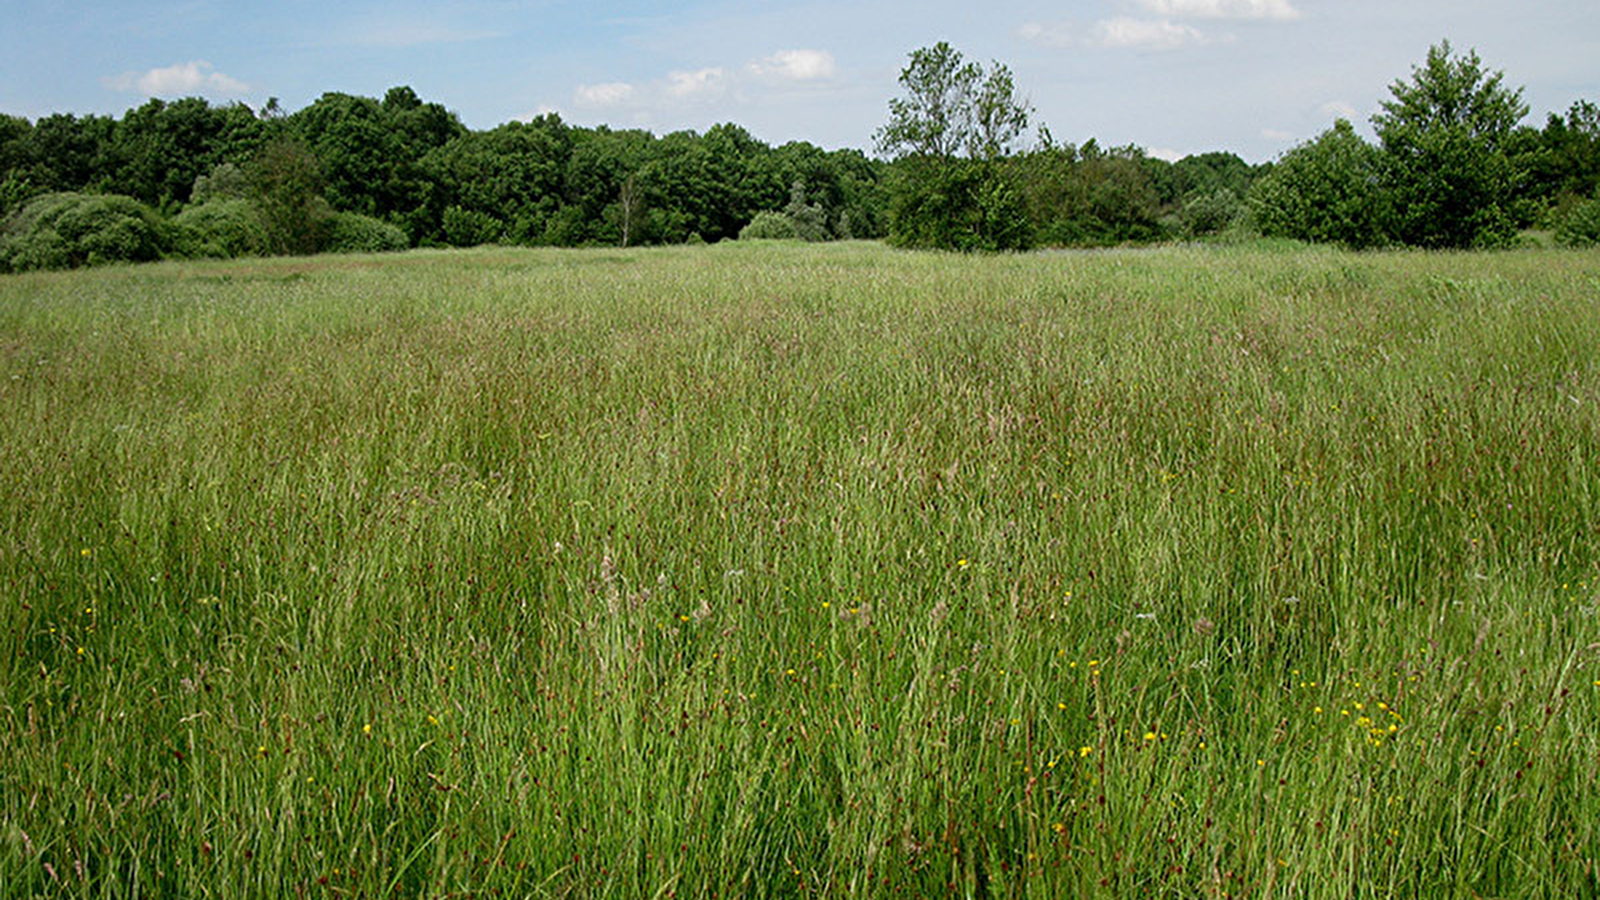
<point>803,571</point>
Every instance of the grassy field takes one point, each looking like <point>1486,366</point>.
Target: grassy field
<point>784,571</point>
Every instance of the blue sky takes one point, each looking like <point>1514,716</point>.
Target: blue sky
<point>1173,76</point>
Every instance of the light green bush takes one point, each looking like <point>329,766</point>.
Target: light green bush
<point>66,230</point>
<point>771,226</point>
<point>219,229</point>
<point>355,233</point>
<point>1579,224</point>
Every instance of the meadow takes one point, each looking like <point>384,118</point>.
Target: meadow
<point>803,571</point>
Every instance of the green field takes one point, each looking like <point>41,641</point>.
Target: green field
<point>803,571</point>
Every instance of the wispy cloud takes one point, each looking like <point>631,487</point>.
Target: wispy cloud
<point>599,95</point>
<point>194,77</point>
<point>1048,35</point>
<point>796,65</point>
<point>699,83</point>
<point>751,82</point>
<point>1277,10</point>
<point>1145,34</point>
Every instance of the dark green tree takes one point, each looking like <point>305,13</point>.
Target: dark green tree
<point>940,198</point>
<point>504,183</point>
<point>1326,190</point>
<point>286,188</point>
<point>371,152</point>
<point>63,152</point>
<point>162,147</point>
<point>1447,170</point>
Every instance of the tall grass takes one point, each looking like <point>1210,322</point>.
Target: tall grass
<point>803,571</point>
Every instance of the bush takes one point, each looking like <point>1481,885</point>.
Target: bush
<point>226,182</point>
<point>1323,191</point>
<point>1211,213</point>
<point>967,206</point>
<point>66,230</point>
<point>355,233</point>
<point>1579,224</point>
<point>769,226</point>
<point>219,229</point>
<point>469,228</point>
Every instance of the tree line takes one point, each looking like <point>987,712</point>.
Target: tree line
<point>957,167</point>
<point>1453,168</point>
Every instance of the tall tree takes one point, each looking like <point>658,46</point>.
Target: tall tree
<point>999,116</point>
<point>933,120</point>
<point>1446,166</point>
<point>939,198</point>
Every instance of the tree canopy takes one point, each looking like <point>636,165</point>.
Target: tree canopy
<point>1445,135</point>
<point>1453,167</point>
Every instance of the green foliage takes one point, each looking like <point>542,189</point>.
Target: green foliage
<point>938,199</point>
<point>371,154</point>
<point>810,221</point>
<point>1208,213</point>
<point>1326,190</point>
<point>934,118</point>
<point>355,233</point>
<point>966,205</point>
<point>225,182</point>
<point>1578,224</point>
<point>470,228</point>
<point>63,153</point>
<point>1089,196</point>
<point>286,187</point>
<point>162,148</point>
<point>769,226</point>
<point>1449,178</point>
<point>799,220</point>
<point>15,190</point>
<point>513,174</point>
<point>411,163</point>
<point>220,228</point>
<point>952,106</point>
<point>67,230</point>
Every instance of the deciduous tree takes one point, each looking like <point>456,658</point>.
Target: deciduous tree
<point>1446,166</point>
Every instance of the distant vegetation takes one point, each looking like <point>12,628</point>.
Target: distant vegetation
<point>1454,167</point>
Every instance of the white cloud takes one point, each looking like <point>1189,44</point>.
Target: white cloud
<point>1165,153</point>
<point>194,77</point>
<point>1048,35</point>
<point>702,82</point>
<point>1275,10</point>
<point>1146,34</point>
<point>796,65</point>
<point>609,94</point>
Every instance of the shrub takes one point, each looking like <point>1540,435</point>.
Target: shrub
<point>1211,213</point>
<point>66,230</point>
<point>967,206</point>
<point>769,226</point>
<point>355,233</point>
<point>469,227</point>
<point>226,182</point>
<point>1579,224</point>
<point>219,229</point>
<point>1326,190</point>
